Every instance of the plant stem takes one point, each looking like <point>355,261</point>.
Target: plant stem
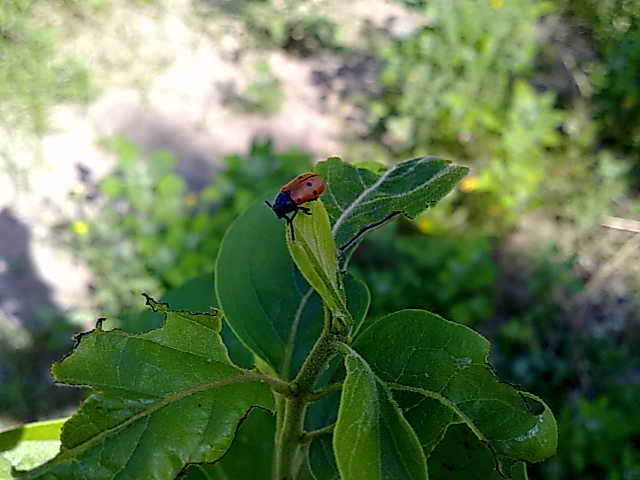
<point>288,453</point>
<point>279,386</point>
<point>318,394</point>
<point>308,437</point>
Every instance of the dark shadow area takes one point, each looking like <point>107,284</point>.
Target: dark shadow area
<point>33,331</point>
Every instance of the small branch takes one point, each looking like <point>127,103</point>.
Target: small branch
<point>618,223</point>
<point>308,437</point>
<point>318,394</point>
<point>278,385</point>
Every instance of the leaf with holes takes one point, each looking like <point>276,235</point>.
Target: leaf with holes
<point>437,360</point>
<point>267,302</point>
<point>359,200</point>
<point>162,400</point>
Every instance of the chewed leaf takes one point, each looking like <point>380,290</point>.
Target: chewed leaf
<point>358,199</point>
<point>161,400</point>
<point>447,362</point>
<point>372,439</point>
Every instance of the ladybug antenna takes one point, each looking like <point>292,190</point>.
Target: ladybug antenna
<point>268,204</point>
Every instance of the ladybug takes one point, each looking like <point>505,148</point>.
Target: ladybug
<point>306,187</point>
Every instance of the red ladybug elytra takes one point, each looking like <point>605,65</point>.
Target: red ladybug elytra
<point>306,187</point>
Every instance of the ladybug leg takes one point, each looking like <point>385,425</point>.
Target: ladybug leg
<point>290,222</point>
<point>304,210</point>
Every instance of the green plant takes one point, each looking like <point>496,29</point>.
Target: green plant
<point>615,30</point>
<point>32,76</point>
<point>150,233</point>
<point>351,397</point>
<point>458,85</point>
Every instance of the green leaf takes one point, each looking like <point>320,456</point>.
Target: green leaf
<point>372,440</point>
<point>358,200</point>
<point>29,445</point>
<point>267,302</point>
<point>447,362</point>
<point>196,295</point>
<point>161,400</point>
<point>462,456</point>
<point>315,255</point>
<point>254,441</point>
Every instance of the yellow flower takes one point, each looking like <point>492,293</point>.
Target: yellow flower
<point>496,3</point>
<point>79,227</point>
<point>191,199</point>
<point>425,225</point>
<point>469,184</point>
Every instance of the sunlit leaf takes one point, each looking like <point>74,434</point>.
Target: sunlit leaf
<point>423,354</point>
<point>160,401</point>
<point>196,295</point>
<point>29,445</point>
<point>358,200</point>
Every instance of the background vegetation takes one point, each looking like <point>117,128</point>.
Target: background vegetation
<point>540,99</point>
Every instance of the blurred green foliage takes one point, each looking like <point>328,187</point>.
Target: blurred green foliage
<point>453,277</point>
<point>458,86</point>
<point>600,439</point>
<point>33,77</point>
<point>615,29</point>
<point>150,233</point>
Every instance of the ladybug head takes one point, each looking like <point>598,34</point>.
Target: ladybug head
<point>282,205</point>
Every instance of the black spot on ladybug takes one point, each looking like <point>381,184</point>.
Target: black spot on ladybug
<point>315,192</point>
<point>309,184</point>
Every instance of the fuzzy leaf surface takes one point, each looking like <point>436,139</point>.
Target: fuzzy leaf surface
<point>316,256</point>
<point>267,302</point>
<point>372,440</point>
<point>161,400</point>
<point>420,353</point>
<point>358,199</point>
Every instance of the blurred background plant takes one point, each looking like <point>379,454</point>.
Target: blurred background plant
<point>538,248</point>
<point>141,230</point>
